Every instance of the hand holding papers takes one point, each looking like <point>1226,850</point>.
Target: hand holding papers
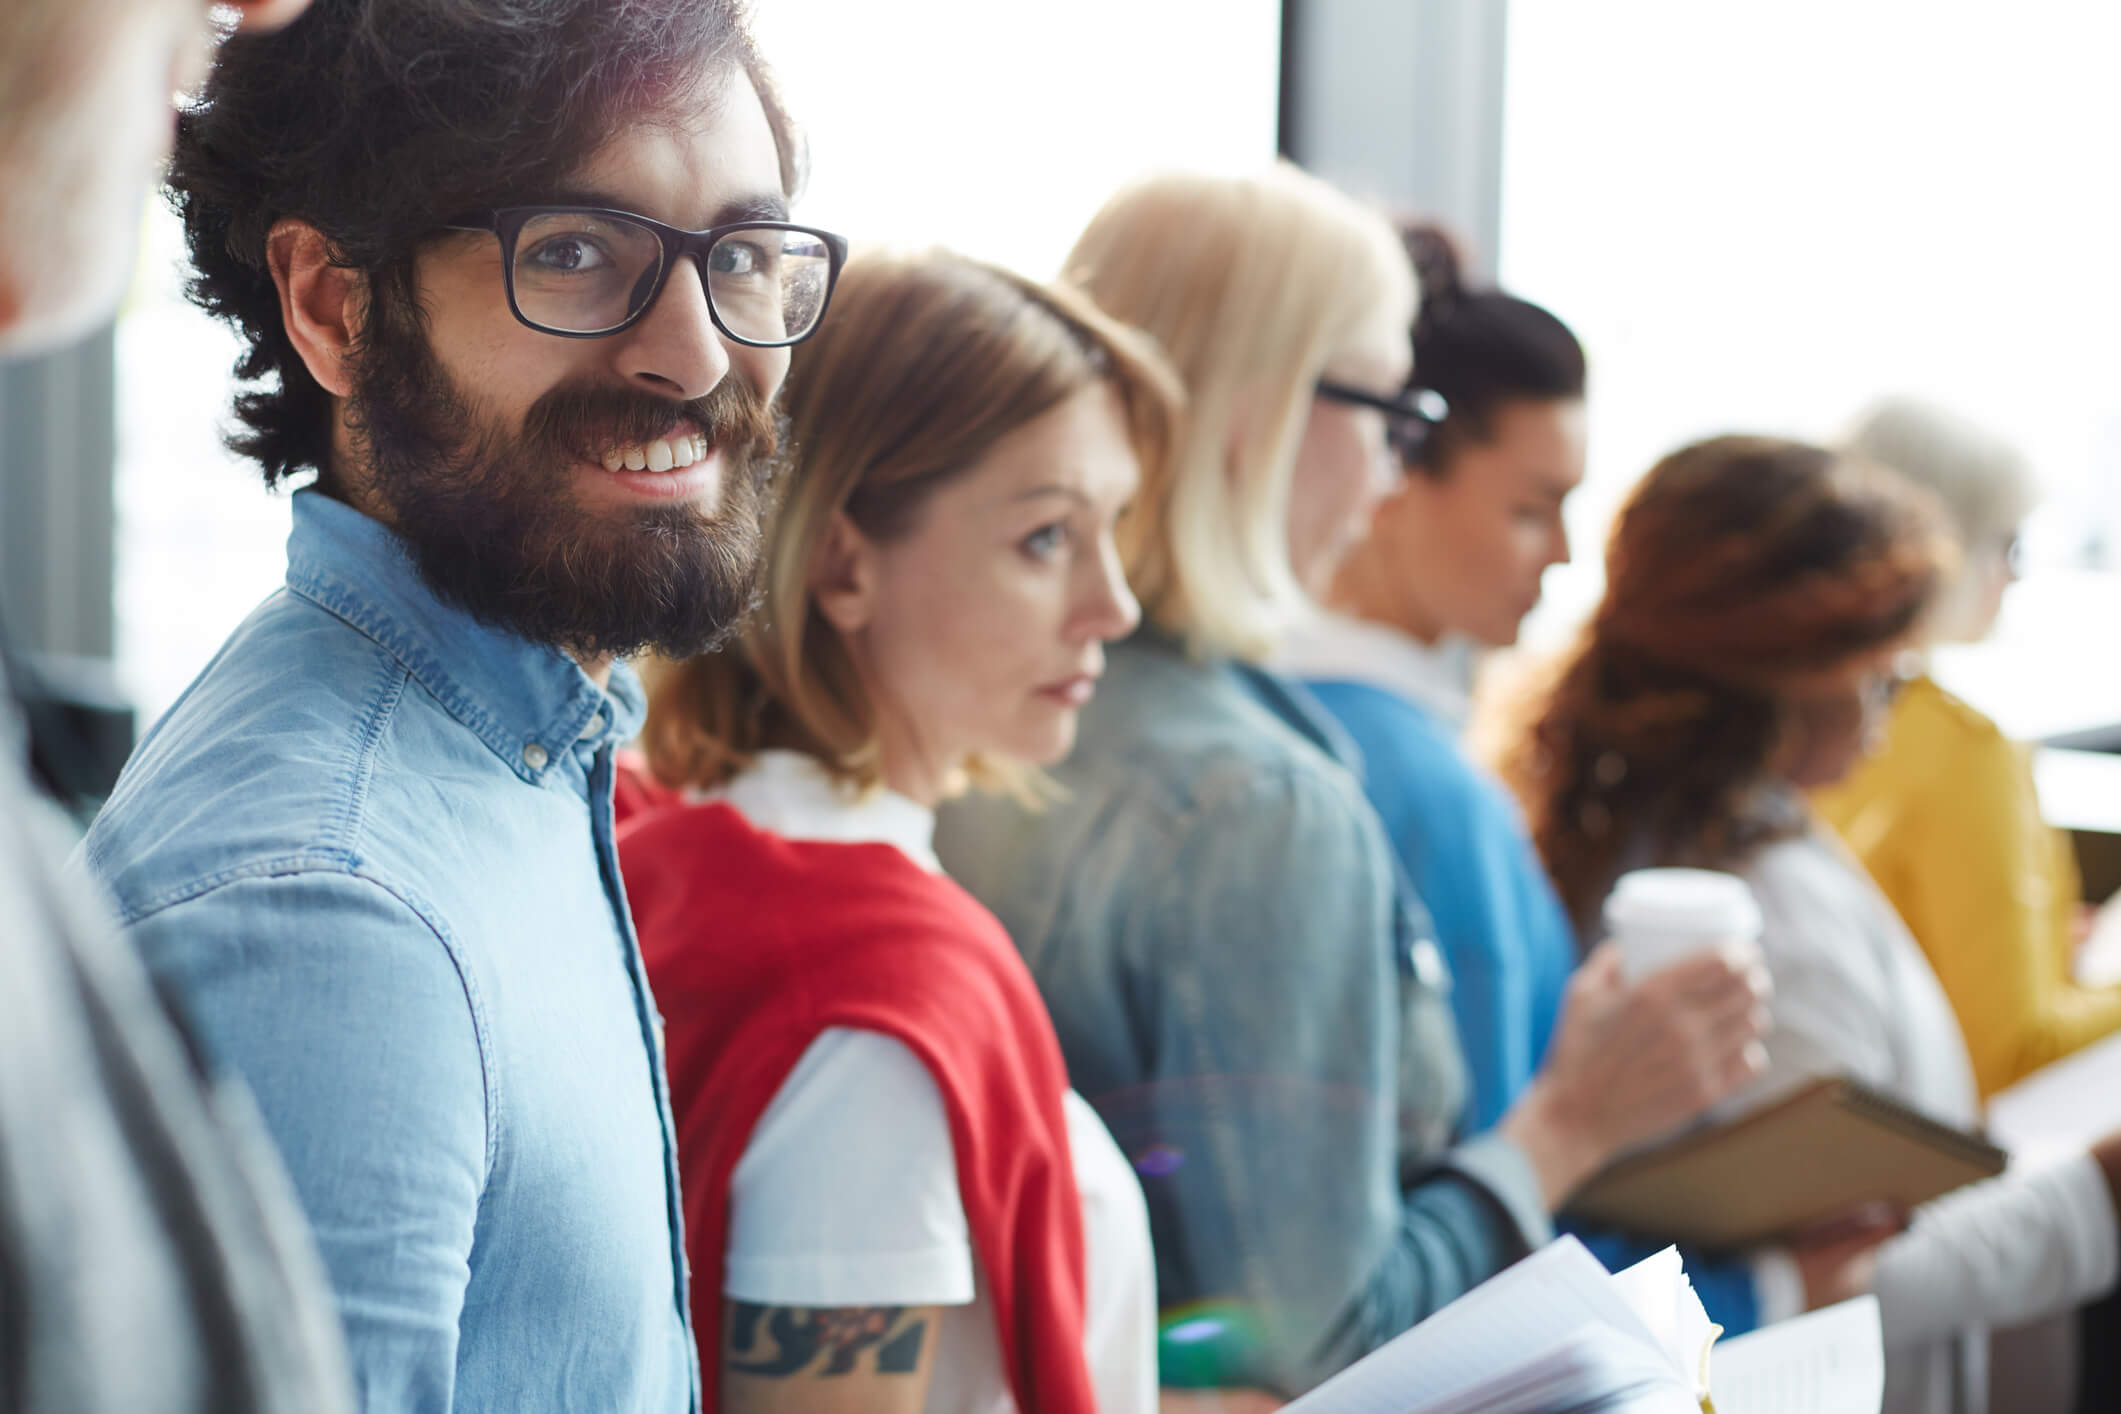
<point>1557,1332</point>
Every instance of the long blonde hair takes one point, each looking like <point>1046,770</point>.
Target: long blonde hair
<point>924,363</point>
<point>1252,285</point>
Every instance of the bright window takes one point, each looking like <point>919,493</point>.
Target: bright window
<point>1759,217</point>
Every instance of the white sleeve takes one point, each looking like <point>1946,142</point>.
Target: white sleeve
<point>2003,1252</point>
<point>847,1193</point>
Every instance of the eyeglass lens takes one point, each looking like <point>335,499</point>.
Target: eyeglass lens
<point>585,273</point>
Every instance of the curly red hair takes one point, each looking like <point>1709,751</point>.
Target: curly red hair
<point>1739,568</point>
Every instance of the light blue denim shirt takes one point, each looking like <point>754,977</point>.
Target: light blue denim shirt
<point>1246,989</point>
<point>370,850</point>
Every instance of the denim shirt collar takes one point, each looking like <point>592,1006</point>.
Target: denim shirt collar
<point>1288,700</point>
<point>529,703</point>
<point>1301,712</point>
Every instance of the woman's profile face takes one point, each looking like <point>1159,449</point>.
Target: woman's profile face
<point>1470,548</point>
<point>981,630</point>
<point>1344,465</point>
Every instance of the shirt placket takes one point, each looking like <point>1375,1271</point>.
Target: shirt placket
<point>603,827</point>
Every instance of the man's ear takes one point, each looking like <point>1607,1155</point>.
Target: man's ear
<point>843,576</point>
<point>320,303</point>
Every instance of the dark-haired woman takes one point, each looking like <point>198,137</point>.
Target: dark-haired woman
<point>1454,557</point>
<point>1760,594</point>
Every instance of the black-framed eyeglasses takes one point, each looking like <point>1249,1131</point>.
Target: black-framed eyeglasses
<point>586,272</point>
<point>1411,417</point>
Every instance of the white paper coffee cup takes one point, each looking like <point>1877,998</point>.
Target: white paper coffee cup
<point>1658,916</point>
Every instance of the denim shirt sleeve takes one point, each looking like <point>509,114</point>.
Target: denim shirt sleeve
<point>343,1009</point>
<point>1271,1118</point>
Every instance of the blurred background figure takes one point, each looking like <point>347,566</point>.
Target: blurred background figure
<point>1945,816</point>
<point>1241,979</point>
<point>1451,566</point>
<point>1760,594</point>
<point>151,1255</point>
<point>1454,555</point>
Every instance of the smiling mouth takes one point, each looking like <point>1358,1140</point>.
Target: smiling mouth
<point>662,454</point>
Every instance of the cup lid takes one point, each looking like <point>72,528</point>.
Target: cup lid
<point>1703,901</point>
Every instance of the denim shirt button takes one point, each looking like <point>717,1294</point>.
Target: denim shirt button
<point>534,756</point>
<point>594,726</point>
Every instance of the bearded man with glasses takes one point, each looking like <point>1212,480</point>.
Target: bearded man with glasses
<point>516,284</point>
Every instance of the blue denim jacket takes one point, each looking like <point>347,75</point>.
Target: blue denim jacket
<point>370,849</point>
<point>1243,988</point>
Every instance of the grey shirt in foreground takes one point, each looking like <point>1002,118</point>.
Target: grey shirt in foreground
<point>152,1260</point>
<point>1246,990</point>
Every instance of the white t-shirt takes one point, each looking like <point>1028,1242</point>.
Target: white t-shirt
<point>847,1193</point>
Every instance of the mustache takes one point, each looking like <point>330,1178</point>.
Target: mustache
<point>586,419</point>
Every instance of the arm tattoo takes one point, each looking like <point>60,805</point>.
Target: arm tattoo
<point>774,1342</point>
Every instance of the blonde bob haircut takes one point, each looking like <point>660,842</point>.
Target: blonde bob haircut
<point>924,363</point>
<point>1252,285</point>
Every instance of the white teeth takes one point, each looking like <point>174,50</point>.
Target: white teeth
<point>663,454</point>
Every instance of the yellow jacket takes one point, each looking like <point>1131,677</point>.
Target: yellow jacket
<point>1947,821</point>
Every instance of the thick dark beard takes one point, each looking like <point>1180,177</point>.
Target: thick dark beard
<point>493,525</point>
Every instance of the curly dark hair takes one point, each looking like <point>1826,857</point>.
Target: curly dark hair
<point>1740,568</point>
<point>378,120</point>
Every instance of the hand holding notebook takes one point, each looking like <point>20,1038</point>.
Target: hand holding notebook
<point>1829,1146</point>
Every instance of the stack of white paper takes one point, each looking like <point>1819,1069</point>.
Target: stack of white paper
<point>1829,1362</point>
<point>1557,1332</point>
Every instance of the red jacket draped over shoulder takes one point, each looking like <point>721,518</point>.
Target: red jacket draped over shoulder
<point>755,944</point>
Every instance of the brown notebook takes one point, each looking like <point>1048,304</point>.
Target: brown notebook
<point>1811,1155</point>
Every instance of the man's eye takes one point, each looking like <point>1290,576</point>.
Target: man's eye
<point>567,255</point>
<point>739,258</point>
